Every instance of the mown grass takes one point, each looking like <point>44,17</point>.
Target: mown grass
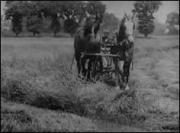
<point>156,77</point>
<point>36,75</point>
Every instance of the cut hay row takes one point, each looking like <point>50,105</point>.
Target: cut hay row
<point>19,117</point>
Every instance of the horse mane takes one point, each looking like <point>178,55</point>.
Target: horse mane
<point>97,23</point>
<point>97,27</point>
<point>88,27</point>
<point>121,33</point>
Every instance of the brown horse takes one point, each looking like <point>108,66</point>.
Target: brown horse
<point>125,48</point>
<point>85,42</point>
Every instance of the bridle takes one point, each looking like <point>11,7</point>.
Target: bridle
<point>126,38</point>
<point>126,41</point>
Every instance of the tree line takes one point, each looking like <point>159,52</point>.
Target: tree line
<point>54,16</point>
<point>33,14</point>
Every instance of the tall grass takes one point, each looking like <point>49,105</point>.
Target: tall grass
<point>35,73</point>
<point>19,117</point>
<point>54,86</point>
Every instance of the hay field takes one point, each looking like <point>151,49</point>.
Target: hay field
<point>40,93</point>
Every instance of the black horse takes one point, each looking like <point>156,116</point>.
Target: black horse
<point>124,48</point>
<point>85,42</point>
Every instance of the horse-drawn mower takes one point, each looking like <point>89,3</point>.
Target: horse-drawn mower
<point>96,59</point>
<point>106,64</point>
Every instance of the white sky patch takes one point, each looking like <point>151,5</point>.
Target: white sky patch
<point>118,8</point>
<point>166,8</point>
<point>121,7</point>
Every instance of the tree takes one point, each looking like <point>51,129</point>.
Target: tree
<point>35,12</point>
<point>17,24</point>
<point>74,13</point>
<point>34,24</point>
<point>55,25</point>
<point>67,10</point>
<point>70,26</point>
<point>145,11</point>
<point>96,7</point>
<point>15,13</point>
<point>173,18</point>
<point>16,10</point>
<point>173,21</point>
<point>110,22</point>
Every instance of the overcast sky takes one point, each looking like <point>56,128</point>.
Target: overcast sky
<point>120,7</point>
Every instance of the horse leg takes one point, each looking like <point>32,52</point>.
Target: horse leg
<point>93,73</point>
<point>92,67</point>
<point>83,66</point>
<point>118,79</point>
<point>78,61</point>
<point>121,82</point>
<point>127,64</point>
<point>126,69</point>
<point>89,69</point>
<point>96,67</point>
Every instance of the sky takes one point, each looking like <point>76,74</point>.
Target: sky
<point>118,8</point>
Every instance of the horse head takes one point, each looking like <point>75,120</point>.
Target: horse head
<point>126,29</point>
<point>92,23</point>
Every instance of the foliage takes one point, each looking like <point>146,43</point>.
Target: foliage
<point>95,7</point>
<point>17,10</point>
<point>17,24</point>
<point>66,10</point>
<point>34,25</point>
<point>145,11</point>
<point>172,21</point>
<point>77,11</point>
<point>110,22</point>
<point>16,7</point>
<point>16,14</point>
<point>71,12</point>
<point>55,25</point>
<point>173,18</point>
<point>70,26</point>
